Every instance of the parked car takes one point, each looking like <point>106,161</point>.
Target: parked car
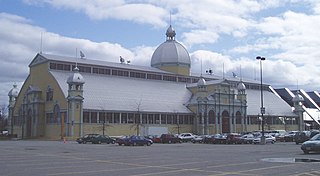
<point>215,139</point>
<point>121,140</point>
<point>134,141</point>
<point>197,139</point>
<point>312,145</point>
<point>186,137</point>
<point>268,138</point>
<point>169,138</point>
<point>155,138</point>
<point>86,138</point>
<point>301,136</point>
<point>289,137</point>
<point>102,139</point>
<point>247,138</point>
<point>234,138</point>
<point>314,132</point>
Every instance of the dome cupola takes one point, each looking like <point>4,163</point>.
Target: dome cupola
<point>297,98</point>
<point>76,77</point>
<point>241,86</point>
<point>171,56</point>
<point>202,82</point>
<point>14,92</point>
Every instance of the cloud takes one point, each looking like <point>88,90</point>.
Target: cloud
<point>102,10</point>
<point>20,41</point>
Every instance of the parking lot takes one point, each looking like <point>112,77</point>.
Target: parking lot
<point>58,158</point>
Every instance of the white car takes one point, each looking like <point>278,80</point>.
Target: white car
<point>197,139</point>
<point>247,138</point>
<point>185,137</point>
<point>269,139</point>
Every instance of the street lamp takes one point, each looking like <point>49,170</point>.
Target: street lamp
<point>262,109</point>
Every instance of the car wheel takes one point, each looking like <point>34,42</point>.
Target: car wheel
<point>305,151</point>
<point>169,141</point>
<point>84,142</point>
<point>134,144</point>
<point>99,142</point>
<point>112,142</point>
<point>148,143</point>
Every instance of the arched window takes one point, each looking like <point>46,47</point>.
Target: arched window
<point>238,118</point>
<point>212,117</point>
<point>56,114</point>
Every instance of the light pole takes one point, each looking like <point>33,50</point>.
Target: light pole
<point>262,109</point>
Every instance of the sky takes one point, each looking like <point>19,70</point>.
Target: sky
<point>224,36</point>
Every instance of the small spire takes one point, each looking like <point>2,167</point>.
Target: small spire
<point>171,33</point>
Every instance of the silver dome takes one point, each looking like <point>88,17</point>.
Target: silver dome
<point>76,77</point>
<point>170,52</point>
<point>297,98</point>
<point>14,92</point>
<point>201,82</point>
<point>241,86</point>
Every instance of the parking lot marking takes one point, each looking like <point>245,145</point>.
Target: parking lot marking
<point>313,173</point>
<point>235,164</point>
<point>252,170</point>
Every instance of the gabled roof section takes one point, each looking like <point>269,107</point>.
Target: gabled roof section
<point>274,105</point>
<point>315,97</point>
<point>286,95</point>
<point>38,59</point>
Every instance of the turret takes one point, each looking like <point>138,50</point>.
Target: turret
<point>298,109</point>
<point>13,94</point>
<point>75,104</point>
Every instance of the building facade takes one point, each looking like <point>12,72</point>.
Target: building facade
<point>69,97</point>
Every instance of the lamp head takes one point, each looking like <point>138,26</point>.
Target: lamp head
<point>260,58</point>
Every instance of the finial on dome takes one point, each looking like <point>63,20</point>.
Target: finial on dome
<point>171,33</point>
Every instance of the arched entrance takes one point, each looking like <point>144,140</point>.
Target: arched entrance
<point>225,122</point>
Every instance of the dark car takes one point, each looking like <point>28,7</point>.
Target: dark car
<point>301,136</point>
<point>169,138</point>
<point>86,138</point>
<point>215,139</point>
<point>234,138</point>
<point>134,140</point>
<point>102,139</point>
<point>289,137</point>
<point>312,145</point>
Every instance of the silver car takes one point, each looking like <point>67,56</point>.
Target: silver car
<point>312,145</point>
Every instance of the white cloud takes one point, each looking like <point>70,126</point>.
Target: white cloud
<point>117,9</point>
<point>20,41</point>
<point>289,39</point>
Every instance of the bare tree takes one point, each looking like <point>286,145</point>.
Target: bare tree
<point>176,121</point>
<point>137,119</point>
<point>103,122</point>
<point>3,117</point>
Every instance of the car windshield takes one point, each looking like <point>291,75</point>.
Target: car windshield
<point>315,138</point>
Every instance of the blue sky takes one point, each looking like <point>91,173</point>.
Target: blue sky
<point>229,32</point>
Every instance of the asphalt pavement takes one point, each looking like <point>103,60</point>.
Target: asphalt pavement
<point>56,158</point>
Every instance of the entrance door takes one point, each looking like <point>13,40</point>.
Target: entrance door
<point>225,122</point>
